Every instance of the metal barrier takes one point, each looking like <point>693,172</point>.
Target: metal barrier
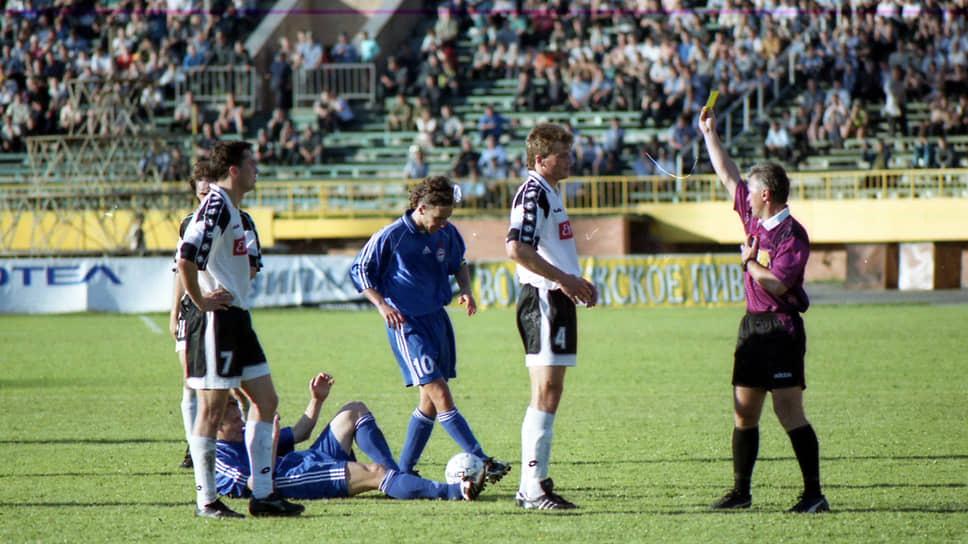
<point>352,81</point>
<point>590,196</point>
<point>212,83</point>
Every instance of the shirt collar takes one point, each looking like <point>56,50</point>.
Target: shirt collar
<point>408,221</point>
<point>772,222</point>
<point>541,179</point>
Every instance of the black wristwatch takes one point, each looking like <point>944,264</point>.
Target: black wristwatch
<point>746,262</point>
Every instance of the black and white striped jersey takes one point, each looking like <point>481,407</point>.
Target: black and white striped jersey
<point>217,242</point>
<point>538,218</point>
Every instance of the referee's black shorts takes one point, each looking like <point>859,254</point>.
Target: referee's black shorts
<point>767,355</point>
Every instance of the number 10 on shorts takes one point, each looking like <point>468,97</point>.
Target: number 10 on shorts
<point>423,365</point>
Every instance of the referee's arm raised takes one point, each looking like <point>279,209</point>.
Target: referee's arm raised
<point>724,166</point>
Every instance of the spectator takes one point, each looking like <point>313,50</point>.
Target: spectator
<point>310,146</point>
<point>288,146</point>
<point>835,115</point>
<point>895,102</point>
<point>369,48</point>
<point>555,96</point>
<point>777,143</point>
<point>466,164</point>
<point>857,122</point>
<point>416,168</point>
<point>945,156</point>
<point>326,118</point>
<point>493,150</point>
<point>395,79</point>
<point>205,141</point>
<point>491,123</point>
<point>811,95</point>
<point>451,127</point>
<point>427,128</point>
<point>194,60</point>
<point>231,117</point>
<point>309,50</point>
<point>344,113</point>
<point>11,135</point>
<point>613,142</point>
<point>156,163</point>
<point>275,124</point>
<point>344,51</point>
<point>680,135</point>
<point>431,96</point>
<point>526,93</point>
<point>280,81</point>
<point>180,166</point>
<point>941,118</point>
<point>623,93</point>
<point>924,154</point>
<point>878,158</point>
<point>240,57</point>
<point>265,149</point>
<point>588,157</point>
<point>400,116</point>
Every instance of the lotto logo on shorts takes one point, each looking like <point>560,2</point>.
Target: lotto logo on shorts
<point>564,230</point>
<point>238,247</point>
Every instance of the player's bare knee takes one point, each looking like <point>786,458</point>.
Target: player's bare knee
<point>353,410</point>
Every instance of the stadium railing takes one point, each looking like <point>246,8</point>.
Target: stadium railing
<point>211,84</point>
<point>351,81</point>
<point>599,195</point>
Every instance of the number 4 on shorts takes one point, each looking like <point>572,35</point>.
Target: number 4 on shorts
<point>559,340</point>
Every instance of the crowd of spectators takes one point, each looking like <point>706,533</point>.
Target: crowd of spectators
<point>656,58</point>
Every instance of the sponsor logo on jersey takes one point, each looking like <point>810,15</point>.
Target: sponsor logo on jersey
<point>564,231</point>
<point>441,254</point>
<point>558,210</point>
<point>238,246</point>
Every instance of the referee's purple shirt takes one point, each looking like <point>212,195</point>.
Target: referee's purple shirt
<point>784,249</point>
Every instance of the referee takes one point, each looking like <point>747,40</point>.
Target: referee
<point>771,343</point>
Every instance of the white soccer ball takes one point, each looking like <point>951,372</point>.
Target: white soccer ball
<point>461,465</point>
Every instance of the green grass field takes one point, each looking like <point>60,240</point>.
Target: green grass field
<point>90,430</point>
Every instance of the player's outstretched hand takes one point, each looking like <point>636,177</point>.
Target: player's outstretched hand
<point>216,300</point>
<point>468,299</point>
<point>707,121</point>
<point>319,386</point>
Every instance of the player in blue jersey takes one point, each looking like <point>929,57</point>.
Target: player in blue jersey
<point>223,351</point>
<point>328,468</point>
<point>404,270</point>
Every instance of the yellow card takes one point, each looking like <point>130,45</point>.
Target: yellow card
<point>712,99</point>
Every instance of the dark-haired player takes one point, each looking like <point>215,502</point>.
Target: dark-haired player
<point>771,344</point>
<point>223,351</point>
<point>404,270</point>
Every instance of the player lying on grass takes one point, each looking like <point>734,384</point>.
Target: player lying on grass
<point>328,469</point>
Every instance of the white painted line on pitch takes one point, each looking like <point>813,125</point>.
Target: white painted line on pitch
<point>150,324</point>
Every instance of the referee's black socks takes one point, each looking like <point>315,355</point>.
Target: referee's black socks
<point>746,445</point>
<point>807,449</point>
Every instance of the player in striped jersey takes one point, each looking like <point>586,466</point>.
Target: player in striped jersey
<point>184,313</point>
<point>328,468</point>
<point>404,270</point>
<point>541,242</point>
<point>223,352</point>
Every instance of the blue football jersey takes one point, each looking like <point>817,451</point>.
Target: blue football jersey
<point>409,268</point>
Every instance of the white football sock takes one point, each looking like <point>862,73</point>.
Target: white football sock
<point>189,408</point>
<point>203,461</point>
<point>258,441</point>
<point>536,434</point>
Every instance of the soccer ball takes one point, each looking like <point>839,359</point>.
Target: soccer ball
<point>461,465</point>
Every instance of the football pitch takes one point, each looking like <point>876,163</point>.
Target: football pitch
<point>91,433</point>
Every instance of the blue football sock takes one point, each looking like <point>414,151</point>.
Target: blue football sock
<point>458,429</point>
<point>418,433</point>
<point>371,441</point>
<point>407,486</point>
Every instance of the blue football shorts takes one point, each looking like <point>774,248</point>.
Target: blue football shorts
<point>425,348</point>
<point>315,473</point>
